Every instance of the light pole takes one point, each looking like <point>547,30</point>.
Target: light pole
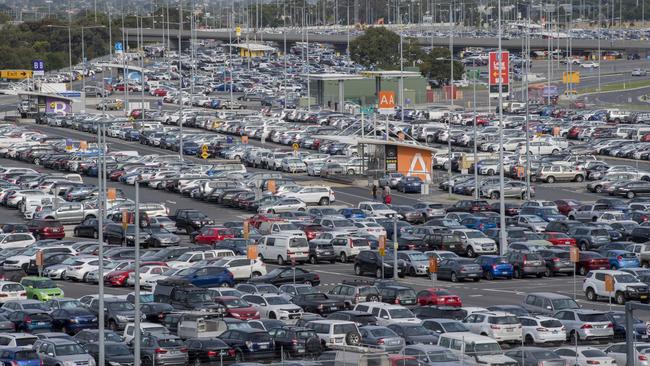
<point>83,60</point>
<point>69,49</point>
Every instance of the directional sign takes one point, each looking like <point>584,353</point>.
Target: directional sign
<point>609,283</point>
<point>386,102</point>
<point>204,148</point>
<point>571,77</point>
<point>473,74</point>
<point>244,139</point>
<point>574,254</point>
<point>38,67</point>
<point>382,245</point>
<point>205,155</point>
<point>118,47</point>
<point>295,147</point>
<point>498,70</point>
<point>367,110</point>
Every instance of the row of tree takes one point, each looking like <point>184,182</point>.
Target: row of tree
<point>379,48</point>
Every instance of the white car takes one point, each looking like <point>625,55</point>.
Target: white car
<point>370,228</point>
<point>17,262</point>
<point>274,307</point>
<point>241,267</point>
<point>11,291</point>
<point>626,286</point>
<point>498,325</point>
<point>542,329</point>
<point>151,281</point>
<point>313,195</point>
<point>81,267</point>
<point>376,209</point>
<point>284,205</point>
<point>388,313</point>
<point>187,259</point>
<point>16,240</point>
<point>589,65</point>
<point>585,356</point>
<point>146,272</point>
<point>475,242</point>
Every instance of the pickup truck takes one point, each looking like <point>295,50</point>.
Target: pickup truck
<point>68,213</point>
<point>190,220</point>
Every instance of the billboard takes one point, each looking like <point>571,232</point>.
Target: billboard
<point>416,162</point>
<point>498,71</point>
<point>386,103</point>
<point>57,106</point>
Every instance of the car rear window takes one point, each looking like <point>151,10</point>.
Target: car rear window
<point>598,317</point>
<point>298,242</point>
<point>383,332</point>
<point>260,337</point>
<point>552,323</point>
<point>25,341</point>
<point>170,342</point>
<point>26,355</point>
<point>406,293</point>
<point>503,320</point>
<point>365,291</point>
<point>344,328</point>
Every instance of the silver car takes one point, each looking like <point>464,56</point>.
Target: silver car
<point>58,351</point>
<point>585,324</point>
<point>163,222</point>
<point>381,337</point>
<point>428,354</point>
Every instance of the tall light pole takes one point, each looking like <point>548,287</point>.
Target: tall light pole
<point>83,60</point>
<point>502,208</point>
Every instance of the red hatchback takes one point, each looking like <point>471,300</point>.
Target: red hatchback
<point>46,229</point>
<point>211,235</point>
<point>590,261</point>
<point>237,308</point>
<point>118,278</point>
<point>559,238</point>
<point>438,296</point>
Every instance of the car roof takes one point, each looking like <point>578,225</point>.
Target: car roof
<point>550,295</point>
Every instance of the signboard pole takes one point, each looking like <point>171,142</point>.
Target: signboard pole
<point>574,256</point>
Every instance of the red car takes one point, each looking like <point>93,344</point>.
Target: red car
<point>46,229</point>
<point>118,278</point>
<point>212,235</point>
<point>159,92</point>
<point>438,296</point>
<point>311,230</point>
<point>590,261</point>
<point>559,238</point>
<point>116,174</point>
<point>237,308</point>
<point>565,206</point>
<point>258,219</point>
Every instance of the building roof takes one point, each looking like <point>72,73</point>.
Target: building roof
<point>391,74</point>
<point>252,47</point>
<point>336,77</point>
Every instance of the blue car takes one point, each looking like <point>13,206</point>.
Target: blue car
<point>478,223</point>
<point>352,213</point>
<point>494,266</point>
<point>73,320</point>
<point>208,276</point>
<point>622,259</point>
<point>30,320</point>
<point>546,213</point>
<point>190,148</point>
<point>410,185</point>
<point>19,356</point>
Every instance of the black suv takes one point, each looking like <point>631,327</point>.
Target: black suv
<point>182,295</point>
<point>369,261</point>
<point>296,341</point>
<point>396,294</point>
<point>321,252</point>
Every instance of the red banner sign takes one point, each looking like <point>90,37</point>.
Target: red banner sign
<point>498,70</point>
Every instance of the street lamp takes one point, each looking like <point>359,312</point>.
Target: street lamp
<point>83,59</point>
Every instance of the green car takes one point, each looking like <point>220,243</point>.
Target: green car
<point>41,288</point>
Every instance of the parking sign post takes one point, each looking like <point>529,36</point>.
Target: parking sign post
<point>433,270</point>
<point>574,255</point>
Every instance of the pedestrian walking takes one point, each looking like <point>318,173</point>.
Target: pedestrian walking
<point>374,192</point>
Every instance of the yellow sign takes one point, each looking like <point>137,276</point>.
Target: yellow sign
<point>246,230</point>
<point>205,155</point>
<point>238,31</point>
<point>609,283</point>
<point>295,147</point>
<point>111,195</point>
<point>15,74</point>
<point>251,252</point>
<point>572,77</point>
<point>39,258</point>
<point>271,186</point>
<point>433,265</point>
<point>204,148</point>
<point>574,254</point>
<point>382,245</point>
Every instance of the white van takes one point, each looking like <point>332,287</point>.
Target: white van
<point>283,248</point>
<point>475,349</point>
<point>640,132</point>
<point>336,332</point>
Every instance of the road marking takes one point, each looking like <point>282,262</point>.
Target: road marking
<point>476,295</point>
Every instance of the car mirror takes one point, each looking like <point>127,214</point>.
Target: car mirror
<point>384,316</point>
<point>50,354</point>
<point>548,307</point>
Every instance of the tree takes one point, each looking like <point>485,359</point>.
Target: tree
<point>378,48</point>
<point>436,66</point>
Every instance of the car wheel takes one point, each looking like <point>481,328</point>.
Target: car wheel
<point>75,233</point>
<point>583,246</point>
<point>591,294</point>
<point>470,252</point>
<point>582,271</point>
<point>548,273</point>
<point>352,338</point>
<point>256,274</point>
<point>188,231</point>
<point>350,171</point>
<point>312,259</point>
<point>357,270</point>
<point>454,278</point>
<point>630,194</point>
<point>343,257</point>
<point>378,273</point>
<point>550,179</point>
<point>620,298</point>
<point>280,261</point>
<point>489,276</point>
<point>579,178</point>
<point>598,189</point>
<point>412,272</point>
<point>494,195</point>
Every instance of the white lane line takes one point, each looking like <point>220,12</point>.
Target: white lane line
<point>504,291</point>
<point>476,295</point>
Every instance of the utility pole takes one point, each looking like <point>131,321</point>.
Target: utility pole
<point>503,243</point>
<point>180,78</point>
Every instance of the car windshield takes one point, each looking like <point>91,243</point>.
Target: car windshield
<point>120,306</point>
<point>535,219</point>
<point>379,206</point>
<point>475,234</point>
<point>419,257</point>
<point>595,317</point>
<point>117,350</point>
<point>400,313</point>
<point>36,305</point>
<point>298,242</point>
<point>344,328</point>
<point>455,327</point>
<point>593,353</point>
<point>483,349</point>
<point>199,296</point>
<point>288,227</point>
<point>383,332</point>
<point>442,356</point>
<point>277,300</point>
<point>70,304</point>
<point>625,278</point>
<point>69,349</point>
<point>561,304</point>
<point>235,303</point>
<point>416,331</point>
<point>185,257</point>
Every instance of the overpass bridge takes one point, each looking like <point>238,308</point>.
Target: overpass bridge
<point>339,41</point>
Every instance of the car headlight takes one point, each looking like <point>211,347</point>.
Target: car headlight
<point>130,237</point>
<point>122,318</point>
<point>69,363</point>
